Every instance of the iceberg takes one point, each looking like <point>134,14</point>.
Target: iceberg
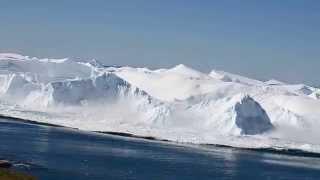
<point>178,104</point>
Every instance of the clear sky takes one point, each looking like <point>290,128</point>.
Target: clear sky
<point>260,39</point>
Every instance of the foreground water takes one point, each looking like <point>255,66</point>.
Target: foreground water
<point>60,153</point>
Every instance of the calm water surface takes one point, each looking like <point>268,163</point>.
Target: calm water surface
<point>59,153</point>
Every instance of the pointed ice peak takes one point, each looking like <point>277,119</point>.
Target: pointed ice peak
<point>185,70</point>
<point>181,66</point>
<point>274,82</point>
<point>220,75</point>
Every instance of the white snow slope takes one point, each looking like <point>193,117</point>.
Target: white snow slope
<point>178,104</point>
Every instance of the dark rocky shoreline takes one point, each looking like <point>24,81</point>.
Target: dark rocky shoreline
<point>6,173</point>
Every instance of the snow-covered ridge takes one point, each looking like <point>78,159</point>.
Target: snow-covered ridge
<point>178,104</point>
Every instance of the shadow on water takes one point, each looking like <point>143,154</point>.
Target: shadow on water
<point>60,153</point>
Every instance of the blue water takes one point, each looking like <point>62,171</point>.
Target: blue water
<point>60,153</point>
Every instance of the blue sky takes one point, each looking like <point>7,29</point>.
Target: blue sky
<point>260,39</point>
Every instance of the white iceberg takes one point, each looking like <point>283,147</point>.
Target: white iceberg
<point>178,104</point>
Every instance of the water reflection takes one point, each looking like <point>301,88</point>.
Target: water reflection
<point>63,153</point>
<point>291,161</point>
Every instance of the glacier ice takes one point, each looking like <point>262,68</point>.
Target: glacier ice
<point>250,117</point>
<point>73,92</point>
<point>178,104</point>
